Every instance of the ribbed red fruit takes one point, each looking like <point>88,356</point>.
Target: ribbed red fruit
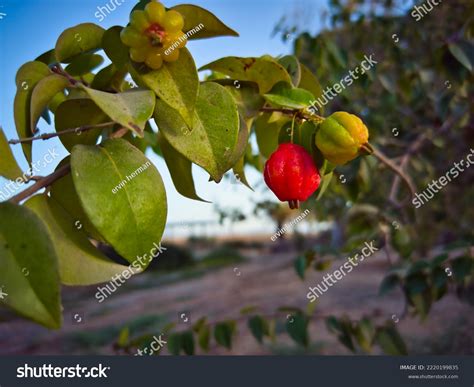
<point>291,174</point>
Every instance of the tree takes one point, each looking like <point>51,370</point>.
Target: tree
<point>107,191</point>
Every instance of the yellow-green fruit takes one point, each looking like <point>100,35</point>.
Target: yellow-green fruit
<point>340,137</point>
<point>155,11</point>
<point>154,59</point>
<point>173,21</point>
<point>132,38</point>
<point>139,20</point>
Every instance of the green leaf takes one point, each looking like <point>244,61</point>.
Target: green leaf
<point>176,83</point>
<point>80,263</point>
<point>25,247</point>
<point>300,266</point>
<point>325,181</point>
<point>390,341</point>
<point>223,333</point>
<point>131,109</point>
<point>461,52</point>
<point>310,82</point>
<point>267,134</point>
<point>389,283</point>
<point>365,333</point>
<point>64,193</point>
<point>48,58</point>
<point>239,172</point>
<point>9,168</point>
<point>204,337</point>
<point>124,337</point>
<point>84,64</point>
<point>462,267</point>
<point>114,48</point>
<point>76,40</point>
<point>174,343</point>
<point>187,342</point>
<point>246,95</point>
<point>180,169</point>
<point>200,23</point>
<point>43,93</point>
<point>214,136</point>
<point>292,66</point>
<point>259,327</point>
<point>283,95</point>
<point>27,78</point>
<point>264,72</point>
<point>297,328</point>
<point>74,113</point>
<point>133,218</point>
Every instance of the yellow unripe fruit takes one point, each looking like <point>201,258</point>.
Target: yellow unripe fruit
<point>173,21</point>
<point>155,11</point>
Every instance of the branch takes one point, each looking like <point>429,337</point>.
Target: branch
<point>42,183</point>
<point>292,112</point>
<point>389,163</point>
<point>47,136</point>
<point>56,175</point>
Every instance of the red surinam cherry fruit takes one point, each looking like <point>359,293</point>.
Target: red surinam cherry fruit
<point>291,174</point>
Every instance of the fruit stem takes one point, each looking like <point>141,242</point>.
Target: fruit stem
<point>292,128</point>
<point>293,204</point>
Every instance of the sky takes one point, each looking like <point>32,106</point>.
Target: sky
<point>30,27</point>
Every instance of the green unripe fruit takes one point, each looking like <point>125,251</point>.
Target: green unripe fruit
<point>341,136</point>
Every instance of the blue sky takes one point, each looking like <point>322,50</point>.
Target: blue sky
<point>31,27</point>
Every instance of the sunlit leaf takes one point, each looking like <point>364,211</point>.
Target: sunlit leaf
<point>76,40</point>
<point>9,168</point>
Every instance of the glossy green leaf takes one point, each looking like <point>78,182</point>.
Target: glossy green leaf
<point>389,283</point>
<point>80,263</point>
<point>239,172</point>
<point>365,333</point>
<point>84,64</point>
<point>223,333</point>
<point>180,169</point>
<point>174,343</point>
<point>27,78</point>
<point>25,247</point>
<point>75,113</point>
<point>292,66</point>
<point>176,83</point>
<point>265,73</point>
<point>76,40</point>
<point>214,136</point>
<point>390,341</point>
<point>43,93</point>
<point>283,95</point>
<point>122,194</point>
<point>199,23</point>
<point>117,52</point>
<point>9,168</point>
<point>131,109</point>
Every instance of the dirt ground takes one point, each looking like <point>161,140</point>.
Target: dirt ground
<point>265,280</point>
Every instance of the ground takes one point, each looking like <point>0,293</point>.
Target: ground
<point>265,279</point>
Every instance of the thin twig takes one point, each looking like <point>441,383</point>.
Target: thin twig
<point>389,163</point>
<point>47,136</point>
<point>292,112</point>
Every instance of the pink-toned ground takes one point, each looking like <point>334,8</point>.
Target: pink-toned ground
<point>266,280</point>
